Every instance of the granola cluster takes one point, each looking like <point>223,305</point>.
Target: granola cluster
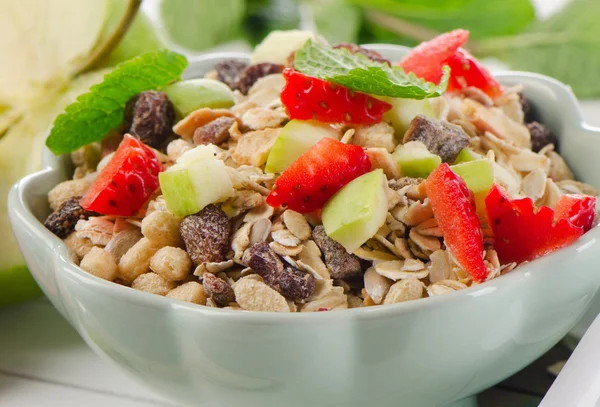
<point>244,254</point>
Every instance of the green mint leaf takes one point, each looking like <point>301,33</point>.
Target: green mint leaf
<point>566,46</point>
<point>357,72</point>
<point>101,109</point>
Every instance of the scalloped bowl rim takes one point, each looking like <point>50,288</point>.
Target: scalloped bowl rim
<point>586,242</point>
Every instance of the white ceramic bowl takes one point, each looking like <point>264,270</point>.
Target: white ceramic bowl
<point>429,352</point>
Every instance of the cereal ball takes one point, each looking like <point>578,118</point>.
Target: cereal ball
<point>66,190</point>
<point>153,283</point>
<point>190,292</point>
<point>171,263</point>
<point>137,260</point>
<point>162,228</point>
<point>100,263</point>
<point>80,246</point>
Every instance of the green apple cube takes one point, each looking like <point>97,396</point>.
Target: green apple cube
<point>478,175</point>
<point>415,160</point>
<point>199,180</point>
<point>278,45</point>
<point>466,155</point>
<point>200,153</point>
<point>357,211</point>
<point>294,139</point>
<point>178,191</point>
<point>193,94</point>
<point>404,110</point>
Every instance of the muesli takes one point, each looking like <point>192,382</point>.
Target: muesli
<point>333,179</point>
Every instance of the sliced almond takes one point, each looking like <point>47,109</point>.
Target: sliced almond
<point>373,255</point>
<point>427,243</point>
<point>285,237</point>
<point>396,270</point>
<point>260,231</point>
<point>285,250</point>
<point>311,256</point>
<point>405,290</point>
<point>297,224</point>
<point>444,286</point>
<point>376,285</point>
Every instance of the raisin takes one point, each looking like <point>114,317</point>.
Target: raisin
<point>440,137</point>
<point>354,49</point>
<point>541,136</point>
<point>228,71</point>
<point>214,132</point>
<point>295,285</point>
<point>217,289</point>
<point>252,73</point>
<point>264,261</point>
<point>206,235</point>
<point>150,116</point>
<point>62,221</point>
<point>341,264</point>
<point>529,114</point>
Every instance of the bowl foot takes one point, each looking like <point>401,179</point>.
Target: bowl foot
<point>468,402</point>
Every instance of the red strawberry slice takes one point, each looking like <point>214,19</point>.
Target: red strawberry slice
<point>580,210</point>
<point>307,98</point>
<point>454,209</point>
<point>126,183</point>
<point>316,175</point>
<point>522,234</point>
<point>465,71</point>
<point>427,59</point>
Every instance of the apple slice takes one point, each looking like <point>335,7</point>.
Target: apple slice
<point>278,45</point>
<point>295,139</point>
<point>194,94</point>
<point>479,177</point>
<point>357,211</point>
<point>404,110</point>
<point>415,160</point>
<point>466,155</point>
<point>196,180</point>
<point>178,191</point>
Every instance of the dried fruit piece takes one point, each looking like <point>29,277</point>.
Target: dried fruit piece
<point>150,117</point>
<point>215,132</point>
<point>62,221</point>
<point>217,289</point>
<point>264,261</point>
<point>206,235</point>
<point>354,49</point>
<point>341,264</point>
<point>440,137</point>
<point>252,73</point>
<point>295,285</point>
<point>229,70</point>
<point>541,136</point>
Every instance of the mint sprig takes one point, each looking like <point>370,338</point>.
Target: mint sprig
<point>100,110</point>
<point>357,72</point>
